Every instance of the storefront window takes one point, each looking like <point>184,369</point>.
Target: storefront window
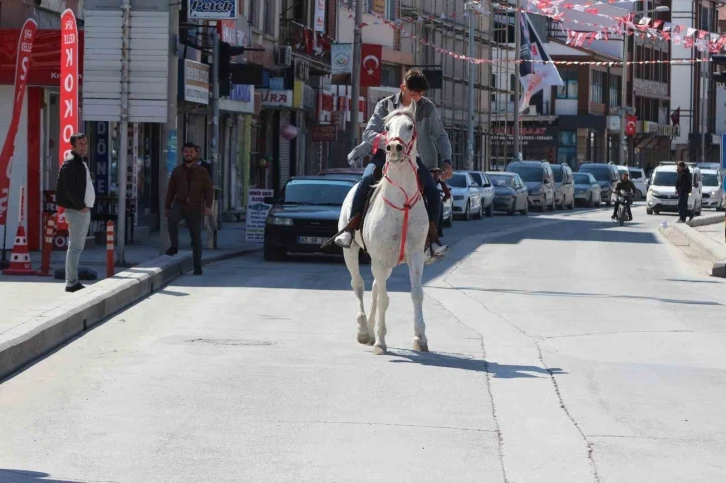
<point>567,148</point>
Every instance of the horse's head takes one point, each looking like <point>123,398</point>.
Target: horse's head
<point>400,126</point>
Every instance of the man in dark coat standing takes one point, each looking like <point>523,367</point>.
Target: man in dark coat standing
<point>684,185</point>
<point>76,195</point>
<point>188,197</point>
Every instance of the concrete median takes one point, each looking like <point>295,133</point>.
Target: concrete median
<point>43,330</point>
<point>707,248</point>
<point>707,220</point>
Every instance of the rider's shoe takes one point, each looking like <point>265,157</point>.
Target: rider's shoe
<point>344,240</point>
<point>434,253</point>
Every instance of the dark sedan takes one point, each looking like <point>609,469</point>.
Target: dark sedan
<point>510,192</point>
<point>305,216</point>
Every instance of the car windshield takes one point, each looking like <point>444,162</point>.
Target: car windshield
<point>559,173</point>
<point>665,178</point>
<point>499,180</point>
<point>316,192</point>
<point>636,174</point>
<point>582,178</point>
<point>528,174</point>
<point>457,181</point>
<point>710,180</point>
<point>600,173</point>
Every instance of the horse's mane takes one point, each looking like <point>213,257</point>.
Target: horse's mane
<point>411,109</point>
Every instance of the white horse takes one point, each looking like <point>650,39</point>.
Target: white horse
<point>394,229</point>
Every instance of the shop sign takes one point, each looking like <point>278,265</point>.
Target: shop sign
<point>341,58</point>
<point>212,9</point>
<point>45,58</point>
<point>529,136</point>
<point>196,82</point>
<point>665,130</point>
<point>100,156</point>
<point>320,15</point>
<point>256,214</point>
<point>229,34</point>
<point>241,99</point>
<point>324,133</point>
<point>276,98</point>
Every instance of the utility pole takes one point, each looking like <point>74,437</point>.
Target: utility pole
<point>217,206</point>
<point>517,74</point>
<point>355,77</point>
<point>470,91</point>
<point>169,138</point>
<point>623,101</point>
<point>705,67</point>
<point>124,134</point>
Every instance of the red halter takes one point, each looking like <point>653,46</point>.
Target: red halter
<point>410,201</point>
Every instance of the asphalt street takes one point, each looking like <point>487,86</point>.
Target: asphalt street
<point>564,349</point>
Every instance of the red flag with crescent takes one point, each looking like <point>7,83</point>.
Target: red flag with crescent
<point>370,71</point>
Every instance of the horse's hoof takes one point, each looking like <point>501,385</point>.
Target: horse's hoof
<point>379,350</point>
<point>420,347</point>
<point>364,339</point>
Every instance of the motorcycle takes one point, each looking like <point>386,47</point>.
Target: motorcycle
<point>625,199</point>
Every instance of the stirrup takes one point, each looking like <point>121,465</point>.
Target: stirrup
<point>352,239</point>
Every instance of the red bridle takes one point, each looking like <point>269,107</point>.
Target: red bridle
<point>410,201</point>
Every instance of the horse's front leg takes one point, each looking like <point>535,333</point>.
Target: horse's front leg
<point>381,276</point>
<point>415,261</point>
<point>358,286</point>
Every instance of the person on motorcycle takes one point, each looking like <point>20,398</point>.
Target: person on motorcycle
<point>436,173</point>
<point>624,185</point>
<point>432,139</point>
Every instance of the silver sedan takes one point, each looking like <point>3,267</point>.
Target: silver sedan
<point>587,189</point>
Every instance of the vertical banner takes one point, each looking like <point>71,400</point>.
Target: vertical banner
<point>101,157</point>
<point>534,76</point>
<point>22,68</point>
<point>68,93</point>
<point>319,15</point>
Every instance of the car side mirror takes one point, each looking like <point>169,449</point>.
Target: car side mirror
<point>488,185</point>
<point>269,200</point>
<point>473,185</point>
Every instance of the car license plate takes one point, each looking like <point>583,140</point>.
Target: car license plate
<point>669,202</point>
<point>310,240</point>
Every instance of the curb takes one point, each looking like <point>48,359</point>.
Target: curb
<point>44,330</point>
<point>707,248</point>
<point>707,220</point>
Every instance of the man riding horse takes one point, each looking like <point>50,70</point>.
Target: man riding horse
<point>432,139</point>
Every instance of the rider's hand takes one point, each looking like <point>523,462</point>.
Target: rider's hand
<point>448,170</point>
<point>352,159</point>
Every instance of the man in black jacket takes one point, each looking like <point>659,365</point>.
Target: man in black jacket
<point>683,189</point>
<point>75,194</point>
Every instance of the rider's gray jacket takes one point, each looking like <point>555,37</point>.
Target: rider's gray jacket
<point>431,133</point>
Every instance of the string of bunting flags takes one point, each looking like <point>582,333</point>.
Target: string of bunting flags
<point>646,28</point>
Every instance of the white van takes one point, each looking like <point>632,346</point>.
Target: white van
<point>662,191</point>
<point>713,189</point>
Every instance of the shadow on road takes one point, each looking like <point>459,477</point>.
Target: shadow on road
<point>24,476</point>
<point>453,361</point>
<point>548,293</point>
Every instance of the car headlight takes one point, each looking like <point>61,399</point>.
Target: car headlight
<point>536,192</point>
<point>279,221</point>
<point>653,192</point>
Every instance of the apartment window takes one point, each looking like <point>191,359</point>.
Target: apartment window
<point>253,15</point>
<point>391,9</point>
<point>270,19</point>
<point>567,148</point>
<point>569,88</point>
<point>615,86</point>
<point>597,88</point>
<point>390,75</point>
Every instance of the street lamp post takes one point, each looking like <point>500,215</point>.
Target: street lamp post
<point>470,7</point>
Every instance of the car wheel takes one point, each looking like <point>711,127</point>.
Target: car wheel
<point>447,221</point>
<point>572,203</point>
<point>720,208</point>
<point>467,211</point>
<point>272,253</point>
<point>479,213</point>
<point>552,207</point>
<point>649,212</point>
<point>525,211</point>
<point>511,210</point>
<point>490,210</point>
<point>656,212</point>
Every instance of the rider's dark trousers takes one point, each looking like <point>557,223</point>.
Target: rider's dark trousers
<point>430,191</point>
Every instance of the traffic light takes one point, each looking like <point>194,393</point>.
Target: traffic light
<point>719,59</point>
<point>226,52</point>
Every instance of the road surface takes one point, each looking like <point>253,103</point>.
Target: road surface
<point>564,349</point>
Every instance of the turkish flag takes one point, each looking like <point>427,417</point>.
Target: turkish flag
<point>370,71</point>
<point>630,122</point>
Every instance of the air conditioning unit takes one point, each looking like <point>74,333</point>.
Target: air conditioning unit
<point>531,110</point>
<point>283,56</point>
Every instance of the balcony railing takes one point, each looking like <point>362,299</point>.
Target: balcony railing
<point>306,41</point>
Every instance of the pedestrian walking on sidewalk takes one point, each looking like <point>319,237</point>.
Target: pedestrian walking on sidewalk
<point>683,189</point>
<point>76,195</point>
<point>189,197</point>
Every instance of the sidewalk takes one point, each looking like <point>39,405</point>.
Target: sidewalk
<point>21,295</point>
<point>715,231</point>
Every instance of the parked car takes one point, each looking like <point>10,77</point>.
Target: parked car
<point>564,187</point>
<point>540,182</point>
<point>448,208</point>
<point>606,174</point>
<point>637,176</point>
<point>466,196</point>
<point>510,192</point>
<point>486,190</point>
<point>587,189</point>
<point>305,215</point>
<point>662,192</point>
<point>713,190</point>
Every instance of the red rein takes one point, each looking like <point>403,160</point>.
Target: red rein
<point>410,201</point>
